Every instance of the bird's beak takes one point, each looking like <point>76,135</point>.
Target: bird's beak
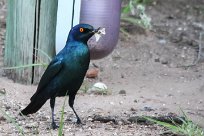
<point>96,30</point>
<point>99,32</point>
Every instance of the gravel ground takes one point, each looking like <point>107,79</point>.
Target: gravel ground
<point>152,67</point>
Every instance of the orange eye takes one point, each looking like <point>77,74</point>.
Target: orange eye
<point>81,30</point>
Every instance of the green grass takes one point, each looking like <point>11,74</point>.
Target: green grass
<point>187,128</point>
<point>32,65</point>
<point>85,86</point>
<point>134,13</point>
<point>61,125</point>
<point>44,53</point>
<point>130,6</point>
<point>13,121</point>
<point>26,66</point>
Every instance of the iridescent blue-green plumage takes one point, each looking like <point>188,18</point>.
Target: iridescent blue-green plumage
<point>65,74</point>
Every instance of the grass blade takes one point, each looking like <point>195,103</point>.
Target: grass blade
<point>187,127</point>
<point>25,66</point>
<point>44,53</point>
<point>61,126</point>
<point>167,125</point>
<point>10,119</point>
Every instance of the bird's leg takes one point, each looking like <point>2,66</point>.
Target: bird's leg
<point>71,103</point>
<point>52,105</point>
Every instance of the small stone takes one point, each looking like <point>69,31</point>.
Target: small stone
<point>92,73</point>
<point>163,109</point>
<point>200,102</point>
<point>2,91</point>
<point>156,60</point>
<point>8,107</point>
<point>179,28</point>
<point>148,109</point>
<point>122,92</point>
<point>133,109</point>
<point>170,17</point>
<point>45,118</point>
<point>136,101</point>
<point>98,88</point>
<point>120,122</point>
<point>121,102</point>
<point>136,59</point>
<point>176,37</point>
<point>112,103</point>
<point>162,41</point>
<point>195,43</point>
<point>122,76</point>
<point>170,95</point>
<point>31,125</point>
<point>2,119</point>
<point>164,61</point>
<point>90,119</point>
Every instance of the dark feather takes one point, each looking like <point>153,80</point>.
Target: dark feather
<point>65,74</point>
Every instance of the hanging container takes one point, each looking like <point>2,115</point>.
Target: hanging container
<point>102,13</point>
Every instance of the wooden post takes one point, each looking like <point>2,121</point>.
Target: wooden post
<point>30,31</point>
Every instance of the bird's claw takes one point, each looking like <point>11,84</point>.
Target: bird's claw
<point>54,125</point>
<point>79,122</point>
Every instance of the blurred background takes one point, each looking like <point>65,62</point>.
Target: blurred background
<point>155,68</point>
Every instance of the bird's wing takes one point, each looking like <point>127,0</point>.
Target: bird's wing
<point>52,70</point>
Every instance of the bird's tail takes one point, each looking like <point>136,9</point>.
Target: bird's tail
<point>33,107</point>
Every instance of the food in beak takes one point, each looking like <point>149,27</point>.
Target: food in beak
<point>99,32</point>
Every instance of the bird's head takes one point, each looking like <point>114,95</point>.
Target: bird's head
<point>82,33</point>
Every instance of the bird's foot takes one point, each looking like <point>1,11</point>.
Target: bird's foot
<point>79,122</point>
<point>54,125</point>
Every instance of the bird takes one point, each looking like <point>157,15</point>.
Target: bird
<point>65,73</point>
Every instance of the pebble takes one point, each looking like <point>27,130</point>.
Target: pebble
<point>45,118</point>
<point>146,108</point>
<point>163,61</point>
<point>122,92</point>
<point>120,122</point>
<point>162,41</point>
<point>92,73</point>
<point>98,88</point>
<point>112,103</point>
<point>136,101</point>
<point>121,102</point>
<point>122,75</point>
<point>133,109</point>
<point>156,60</point>
<point>31,125</point>
<point>89,119</point>
<point>7,107</point>
<point>2,119</point>
<point>2,91</point>
<point>163,109</point>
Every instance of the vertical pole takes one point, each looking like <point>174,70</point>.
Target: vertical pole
<point>46,35</point>
<point>30,26</point>
<point>19,39</point>
<point>73,6</point>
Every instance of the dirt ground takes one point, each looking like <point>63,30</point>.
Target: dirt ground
<point>153,67</point>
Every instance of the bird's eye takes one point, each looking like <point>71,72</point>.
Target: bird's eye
<point>81,30</point>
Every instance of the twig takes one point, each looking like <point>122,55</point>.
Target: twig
<point>166,119</point>
<point>104,119</point>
